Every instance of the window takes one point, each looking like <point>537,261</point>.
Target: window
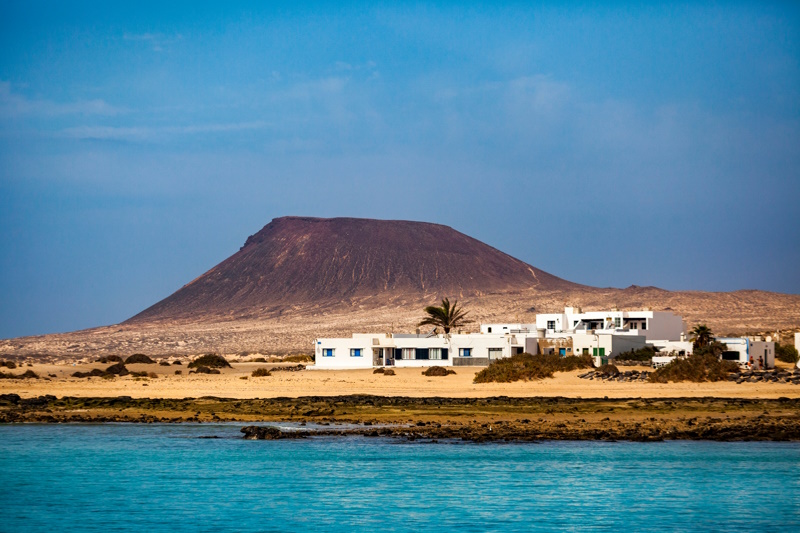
<point>355,352</point>
<point>328,352</point>
<point>465,352</point>
<point>408,353</point>
<point>644,324</point>
<point>586,351</point>
<point>634,325</point>
<point>435,353</point>
<point>551,324</point>
<point>495,353</point>
<point>489,330</point>
<point>617,322</point>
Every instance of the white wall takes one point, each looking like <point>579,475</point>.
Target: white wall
<point>747,349</point>
<point>673,346</point>
<point>661,325</point>
<point>507,328</point>
<point>342,347</point>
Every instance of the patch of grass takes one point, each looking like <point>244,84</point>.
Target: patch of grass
<point>695,368</point>
<point>298,358</point>
<point>261,373</point>
<point>379,370</point>
<point>210,360</point>
<point>388,372</point>
<point>438,371</point>
<point>526,367</point>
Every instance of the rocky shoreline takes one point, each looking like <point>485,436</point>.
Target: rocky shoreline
<point>469,419</point>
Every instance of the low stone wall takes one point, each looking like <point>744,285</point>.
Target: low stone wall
<point>470,361</point>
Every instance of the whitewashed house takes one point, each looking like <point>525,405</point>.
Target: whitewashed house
<point>601,334</point>
<point>364,350</point>
<point>653,325</point>
<point>741,350</point>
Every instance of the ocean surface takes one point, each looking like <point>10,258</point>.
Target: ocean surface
<point>154,478</point>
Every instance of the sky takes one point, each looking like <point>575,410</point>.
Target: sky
<point>607,143</point>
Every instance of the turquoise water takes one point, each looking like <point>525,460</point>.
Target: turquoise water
<point>154,478</point>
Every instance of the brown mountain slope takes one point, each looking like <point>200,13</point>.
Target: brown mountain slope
<point>302,278</point>
<point>314,261</point>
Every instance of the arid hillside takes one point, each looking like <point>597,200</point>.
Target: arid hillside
<point>324,262</point>
<point>302,278</point>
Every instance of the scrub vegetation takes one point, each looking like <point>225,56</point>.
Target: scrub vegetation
<point>210,360</point>
<point>527,367</point>
<point>786,353</point>
<point>696,368</point>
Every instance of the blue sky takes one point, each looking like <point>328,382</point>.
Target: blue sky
<point>610,145</point>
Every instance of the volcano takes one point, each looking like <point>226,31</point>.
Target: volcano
<point>324,261</point>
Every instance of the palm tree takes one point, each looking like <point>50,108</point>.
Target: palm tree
<point>701,335</point>
<point>446,317</point>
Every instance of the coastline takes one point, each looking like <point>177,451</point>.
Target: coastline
<point>470,419</point>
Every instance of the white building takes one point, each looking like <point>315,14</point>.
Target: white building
<point>366,350</point>
<point>653,325</point>
<point>743,350</point>
<point>797,345</point>
<point>601,334</point>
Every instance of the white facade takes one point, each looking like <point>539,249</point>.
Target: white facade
<point>605,346</point>
<point>364,350</point>
<point>676,347</point>
<point>797,345</point>
<point>653,325</point>
<point>508,328</point>
<point>746,351</point>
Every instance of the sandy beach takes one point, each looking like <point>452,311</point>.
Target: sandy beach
<point>231,383</point>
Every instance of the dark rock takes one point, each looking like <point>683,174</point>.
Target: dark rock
<point>268,433</point>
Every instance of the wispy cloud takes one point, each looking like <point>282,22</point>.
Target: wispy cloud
<point>15,104</point>
<point>156,41</point>
<point>142,134</point>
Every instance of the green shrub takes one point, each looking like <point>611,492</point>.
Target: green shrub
<point>786,353</point>
<point>210,360</point>
<point>642,354</point>
<point>695,368</point>
<point>261,373</point>
<point>388,372</point>
<point>258,360</point>
<point>528,367</point>
<point>714,348</point>
<point>379,370</point>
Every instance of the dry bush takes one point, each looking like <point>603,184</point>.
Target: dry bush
<point>528,367</point>
<point>695,368</point>
<point>261,373</point>
<point>438,371</point>
<point>209,360</point>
